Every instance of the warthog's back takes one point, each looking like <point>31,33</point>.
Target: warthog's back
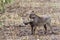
<point>41,20</point>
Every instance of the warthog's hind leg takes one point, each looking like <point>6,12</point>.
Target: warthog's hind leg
<point>50,27</point>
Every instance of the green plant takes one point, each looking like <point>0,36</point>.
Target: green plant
<point>2,5</point>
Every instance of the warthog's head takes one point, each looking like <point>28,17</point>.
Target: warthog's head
<point>27,20</point>
<point>32,16</point>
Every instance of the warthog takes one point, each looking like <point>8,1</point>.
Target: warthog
<point>39,21</point>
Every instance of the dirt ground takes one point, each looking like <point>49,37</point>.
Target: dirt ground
<point>20,8</point>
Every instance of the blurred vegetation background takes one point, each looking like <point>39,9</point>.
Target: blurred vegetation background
<point>14,9</point>
<point>2,5</point>
<point>19,8</point>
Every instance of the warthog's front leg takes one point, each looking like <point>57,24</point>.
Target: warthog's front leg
<point>32,31</point>
<point>45,27</point>
<point>33,28</point>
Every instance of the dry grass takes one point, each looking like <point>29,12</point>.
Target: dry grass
<point>19,8</point>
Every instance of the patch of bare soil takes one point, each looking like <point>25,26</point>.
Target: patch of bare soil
<point>24,33</point>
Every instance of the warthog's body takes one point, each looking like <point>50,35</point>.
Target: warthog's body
<point>39,21</point>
